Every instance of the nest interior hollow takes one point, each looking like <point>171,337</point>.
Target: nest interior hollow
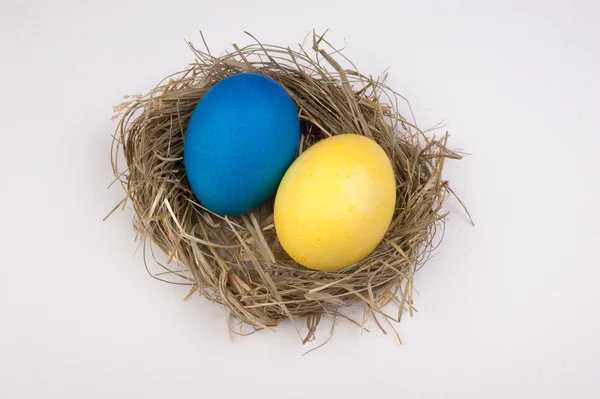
<point>237,261</point>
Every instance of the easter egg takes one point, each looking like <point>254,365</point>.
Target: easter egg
<point>335,202</point>
<point>241,138</point>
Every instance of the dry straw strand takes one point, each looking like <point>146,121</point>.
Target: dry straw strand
<point>238,261</point>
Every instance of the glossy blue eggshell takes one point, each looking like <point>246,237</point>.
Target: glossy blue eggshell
<point>242,136</point>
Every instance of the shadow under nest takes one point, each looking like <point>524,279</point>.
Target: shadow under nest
<point>238,261</point>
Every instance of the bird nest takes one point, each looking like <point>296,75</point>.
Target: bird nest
<point>238,261</point>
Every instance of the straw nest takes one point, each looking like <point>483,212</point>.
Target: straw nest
<point>238,261</point>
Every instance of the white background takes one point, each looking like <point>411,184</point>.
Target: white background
<point>509,308</point>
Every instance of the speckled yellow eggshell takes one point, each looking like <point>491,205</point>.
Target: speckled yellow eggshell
<point>335,202</point>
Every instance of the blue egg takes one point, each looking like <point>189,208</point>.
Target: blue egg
<point>242,136</point>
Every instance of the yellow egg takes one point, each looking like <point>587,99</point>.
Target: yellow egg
<point>335,202</point>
